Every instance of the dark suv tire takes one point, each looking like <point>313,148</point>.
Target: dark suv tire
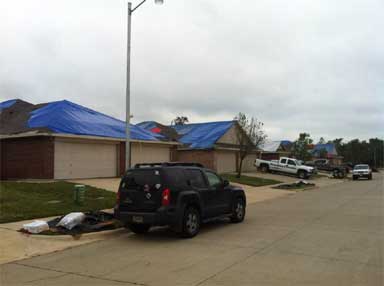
<point>138,228</point>
<point>238,211</point>
<point>191,222</point>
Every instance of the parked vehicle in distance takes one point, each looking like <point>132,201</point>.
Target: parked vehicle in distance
<point>285,165</point>
<point>361,171</point>
<point>348,167</point>
<point>325,165</point>
<point>180,195</point>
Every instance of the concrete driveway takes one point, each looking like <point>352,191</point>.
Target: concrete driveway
<point>327,236</point>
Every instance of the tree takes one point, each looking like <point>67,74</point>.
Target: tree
<point>361,152</point>
<point>300,148</point>
<point>179,120</point>
<point>321,141</point>
<point>250,136</point>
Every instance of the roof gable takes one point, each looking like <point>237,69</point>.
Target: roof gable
<point>202,135</point>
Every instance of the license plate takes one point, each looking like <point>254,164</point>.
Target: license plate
<point>137,219</point>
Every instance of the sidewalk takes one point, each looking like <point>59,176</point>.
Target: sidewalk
<point>15,245</point>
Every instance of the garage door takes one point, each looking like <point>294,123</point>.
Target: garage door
<point>145,153</point>
<point>225,161</point>
<point>75,160</point>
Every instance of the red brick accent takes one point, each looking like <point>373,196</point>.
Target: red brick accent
<point>205,157</point>
<point>27,158</point>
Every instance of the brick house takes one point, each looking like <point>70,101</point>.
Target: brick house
<point>213,144</point>
<point>63,140</point>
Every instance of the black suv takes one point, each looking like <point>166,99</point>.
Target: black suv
<point>181,195</point>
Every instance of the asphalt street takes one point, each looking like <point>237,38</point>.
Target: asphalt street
<point>327,236</point>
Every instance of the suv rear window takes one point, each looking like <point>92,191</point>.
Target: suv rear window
<point>175,177</point>
<point>134,179</point>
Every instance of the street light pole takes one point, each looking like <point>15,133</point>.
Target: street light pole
<point>128,87</point>
<point>128,93</point>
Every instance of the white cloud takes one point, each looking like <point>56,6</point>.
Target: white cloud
<point>314,66</point>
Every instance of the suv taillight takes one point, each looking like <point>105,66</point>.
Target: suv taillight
<point>166,197</point>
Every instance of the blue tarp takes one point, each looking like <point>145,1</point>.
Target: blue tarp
<point>285,142</point>
<point>70,118</point>
<point>148,125</point>
<point>6,104</point>
<point>202,135</point>
<point>329,147</point>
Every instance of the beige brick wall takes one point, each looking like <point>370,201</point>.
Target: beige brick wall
<point>205,157</point>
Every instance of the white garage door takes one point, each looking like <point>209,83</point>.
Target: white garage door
<point>75,160</point>
<point>225,161</point>
<point>145,153</point>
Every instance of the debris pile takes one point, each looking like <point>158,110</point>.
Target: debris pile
<point>74,224</point>
<point>296,185</point>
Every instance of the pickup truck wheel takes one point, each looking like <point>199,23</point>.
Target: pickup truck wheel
<point>302,174</point>
<point>264,168</point>
<point>138,228</point>
<point>354,178</point>
<point>238,211</point>
<point>370,177</point>
<point>191,222</point>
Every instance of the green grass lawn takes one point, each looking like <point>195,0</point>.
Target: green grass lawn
<point>21,201</point>
<point>251,181</point>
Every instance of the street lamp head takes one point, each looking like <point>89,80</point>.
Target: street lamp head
<point>159,2</point>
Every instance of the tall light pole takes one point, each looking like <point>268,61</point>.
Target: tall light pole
<point>128,88</point>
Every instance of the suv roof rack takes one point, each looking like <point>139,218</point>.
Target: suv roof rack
<point>168,164</point>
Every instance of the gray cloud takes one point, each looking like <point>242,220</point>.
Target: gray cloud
<point>313,66</point>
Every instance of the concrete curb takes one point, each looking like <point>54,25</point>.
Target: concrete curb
<point>89,235</point>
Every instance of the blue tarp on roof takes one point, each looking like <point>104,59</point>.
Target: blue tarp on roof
<point>148,125</point>
<point>68,117</point>
<point>202,135</point>
<point>7,103</point>
<point>285,142</point>
<point>329,147</point>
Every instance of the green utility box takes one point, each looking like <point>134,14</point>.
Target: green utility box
<point>79,194</point>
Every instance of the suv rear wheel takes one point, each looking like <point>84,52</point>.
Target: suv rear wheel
<point>238,211</point>
<point>138,228</point>
<point>191,222</point>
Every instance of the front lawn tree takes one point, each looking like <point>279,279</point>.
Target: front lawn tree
<point>301,147</point>
<point>250,136</point>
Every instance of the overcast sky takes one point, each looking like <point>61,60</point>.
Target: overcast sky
<point>300,65</point>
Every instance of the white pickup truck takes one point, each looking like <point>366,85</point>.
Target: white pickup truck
<point>285,165</point>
